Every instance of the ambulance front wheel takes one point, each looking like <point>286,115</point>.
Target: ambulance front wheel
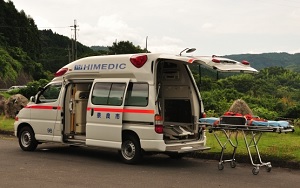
<point>131,150</point>
<point>27,140</point>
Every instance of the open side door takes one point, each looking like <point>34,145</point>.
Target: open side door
<point>105,112</point>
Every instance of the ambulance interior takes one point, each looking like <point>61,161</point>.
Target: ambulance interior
<point>76,101</point>
<point>177,101</point>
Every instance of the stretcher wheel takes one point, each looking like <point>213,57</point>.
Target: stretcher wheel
<point>220,166</point>
<point>232,164</point>
<point>269,168</point>
<point>255,170</point>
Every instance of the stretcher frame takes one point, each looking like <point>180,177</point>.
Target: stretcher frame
<point>254,133</point>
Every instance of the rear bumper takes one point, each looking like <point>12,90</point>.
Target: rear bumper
<point>179,147</point>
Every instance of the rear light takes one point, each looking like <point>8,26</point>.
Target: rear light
<point>203,115</point>
<point>158,124</point>
<point>16,118</point>
<point>138,60</point>
<point>216,60</point>
<point>244,62</point>
<point>61,72</point>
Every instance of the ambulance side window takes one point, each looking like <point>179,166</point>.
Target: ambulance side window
<point>137,94</point>
<point>50,94</point>
<point>108,94</point>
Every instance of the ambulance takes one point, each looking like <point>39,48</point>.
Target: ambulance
<point>135,104</point>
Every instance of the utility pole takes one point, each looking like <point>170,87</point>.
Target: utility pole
<point>74,47</point>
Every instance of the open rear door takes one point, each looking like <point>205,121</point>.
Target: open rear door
<point>220,64</point>
<point>223,64</point>
<point>105,112</point>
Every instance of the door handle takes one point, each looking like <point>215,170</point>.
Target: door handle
<point>71,105</point>
<point>92,111</point>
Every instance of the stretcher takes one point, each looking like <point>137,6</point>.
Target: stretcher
<point>251,130</point>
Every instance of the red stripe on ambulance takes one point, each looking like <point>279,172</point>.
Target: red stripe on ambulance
<point>43,107</point>
<point>121,110</point>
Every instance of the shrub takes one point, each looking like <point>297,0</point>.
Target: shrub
<point>32,88</point>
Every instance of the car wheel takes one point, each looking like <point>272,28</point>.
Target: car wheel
<point>27,140</point>
<point>131,150</point>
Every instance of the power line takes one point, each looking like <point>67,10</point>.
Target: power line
<point>19,27</point>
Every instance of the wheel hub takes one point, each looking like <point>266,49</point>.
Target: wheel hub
<point>128,150</point>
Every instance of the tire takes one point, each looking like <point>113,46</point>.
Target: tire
<point>27,140</point>
<point>255,170</point>
<point>220,166</point>
<point>131,152</point>
<point>232,164</point>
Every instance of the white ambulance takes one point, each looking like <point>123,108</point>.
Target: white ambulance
<point>136,104</point>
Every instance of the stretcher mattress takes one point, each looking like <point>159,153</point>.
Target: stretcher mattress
<point>215,121</point>
<point>271,123</point>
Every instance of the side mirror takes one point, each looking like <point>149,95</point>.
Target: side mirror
<point>32,99</point>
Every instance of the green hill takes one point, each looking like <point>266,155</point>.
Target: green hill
<point>261,61</point>
<point>56,50</point>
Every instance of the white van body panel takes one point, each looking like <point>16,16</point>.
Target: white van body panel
<point>108,117</point>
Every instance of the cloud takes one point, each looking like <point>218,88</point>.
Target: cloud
<point>171,25</point>
<point>107,30</point>
<point>207,25</point>
<point>164,44</point>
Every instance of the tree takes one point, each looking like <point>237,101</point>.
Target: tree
<point>124,47</point>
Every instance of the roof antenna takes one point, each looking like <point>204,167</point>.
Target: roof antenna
<point>187,50</point>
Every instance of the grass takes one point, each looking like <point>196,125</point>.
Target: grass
<point>6,124</point>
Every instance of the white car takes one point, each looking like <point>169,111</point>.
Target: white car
<point>15,87</point>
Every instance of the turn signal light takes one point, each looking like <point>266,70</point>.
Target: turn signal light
<point>216,60</point>
<point>158,124</point>
<point>244,62</point>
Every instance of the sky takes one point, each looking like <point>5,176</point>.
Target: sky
<point>219,27</point>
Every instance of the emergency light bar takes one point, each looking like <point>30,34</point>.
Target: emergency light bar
<point>61,72</point>
<point>138,60</point>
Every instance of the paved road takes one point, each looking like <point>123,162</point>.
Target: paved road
<point>55,166</point>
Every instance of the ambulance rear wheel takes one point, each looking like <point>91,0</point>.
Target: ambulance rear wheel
<point>27,140</point>
<point>131,150</point>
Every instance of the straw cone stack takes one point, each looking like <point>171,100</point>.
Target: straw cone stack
<point>240,106</point>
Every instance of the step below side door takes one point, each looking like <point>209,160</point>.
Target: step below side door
<point>105,112</point>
